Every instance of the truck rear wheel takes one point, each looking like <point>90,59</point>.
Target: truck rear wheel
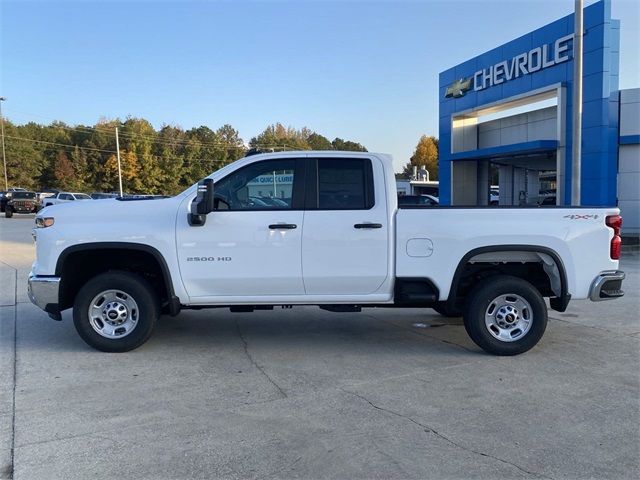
<point>115,311</point>
<point>8,212</point>
<point>505,315</point>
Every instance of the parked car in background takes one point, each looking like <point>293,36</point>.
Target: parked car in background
<point>64,197</point>
<point>21,202</point>
<point>418,200</point>
<point>494,197</point>
<point>551,200</point>
<point>5,195</point>
<point>102,195</point>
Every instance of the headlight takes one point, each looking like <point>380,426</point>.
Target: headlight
<point>44,222</point>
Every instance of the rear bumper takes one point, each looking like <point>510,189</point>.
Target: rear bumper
<point>43,292</point>
<point>607,286</point>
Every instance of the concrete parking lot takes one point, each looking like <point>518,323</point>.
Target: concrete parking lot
<point>303,393</point>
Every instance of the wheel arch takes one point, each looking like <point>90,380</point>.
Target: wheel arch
<point>63,263</point>
<point>559,302</point>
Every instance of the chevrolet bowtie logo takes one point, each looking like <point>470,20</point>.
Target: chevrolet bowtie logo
<point>458,88</point>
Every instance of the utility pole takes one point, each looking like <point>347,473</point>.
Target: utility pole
<point>577,106</point>
<point>4,157</point>
<point>119,168</point>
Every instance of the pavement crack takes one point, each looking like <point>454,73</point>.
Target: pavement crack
<point>256,364</point>
<point>581,324</point>
<point>10,469</point>
<point>441,436</point>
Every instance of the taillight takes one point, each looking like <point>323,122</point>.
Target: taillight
<point>615,222</point>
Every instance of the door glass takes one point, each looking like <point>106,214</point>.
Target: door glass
<point>343,184</point>
<point>261,186</point>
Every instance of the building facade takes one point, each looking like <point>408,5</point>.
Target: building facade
<point>505,119</point>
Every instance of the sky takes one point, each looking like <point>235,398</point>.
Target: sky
<point>363,71</point>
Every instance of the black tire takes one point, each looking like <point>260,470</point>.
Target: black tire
<point>134,287</point>
<point>443,309</point>
<point>8,212</point>
<point>482,298</point>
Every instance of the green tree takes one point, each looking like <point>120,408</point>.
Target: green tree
<point>347,145</point>
<point>80,170</point>
<point>24,157</point>
<point>138,137</point>
<point>319,142</point>
<point>278,137</point>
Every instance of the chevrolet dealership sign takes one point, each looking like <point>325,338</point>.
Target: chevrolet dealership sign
<point>532,61</point>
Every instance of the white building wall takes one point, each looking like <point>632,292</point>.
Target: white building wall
<point>524,127</point>
<point>629,163</point>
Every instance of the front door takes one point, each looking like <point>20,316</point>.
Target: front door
<point>250,246</point>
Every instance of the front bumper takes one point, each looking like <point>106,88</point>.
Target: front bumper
<point>607,286</point>
<point>43,292</point>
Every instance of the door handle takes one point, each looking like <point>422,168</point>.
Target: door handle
<point>282,226</point>
<point>367,225</point>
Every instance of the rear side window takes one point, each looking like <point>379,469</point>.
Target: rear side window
<point>345,184</point>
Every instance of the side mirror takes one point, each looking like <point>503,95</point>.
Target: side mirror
<point>203,204</point>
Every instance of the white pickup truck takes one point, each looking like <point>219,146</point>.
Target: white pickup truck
<point>318,228</point>
<point>64,197</point>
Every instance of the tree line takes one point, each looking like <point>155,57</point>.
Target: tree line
<point>165,161</point>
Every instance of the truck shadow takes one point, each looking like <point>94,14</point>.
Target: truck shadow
<point>308,327</point>
<point>305,329</point>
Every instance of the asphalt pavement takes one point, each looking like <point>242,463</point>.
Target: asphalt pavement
<point>304,393</point>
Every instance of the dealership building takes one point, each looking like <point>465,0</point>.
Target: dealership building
<point>506,120</point>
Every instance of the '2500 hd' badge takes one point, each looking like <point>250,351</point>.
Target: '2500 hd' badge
<point>208,259</point>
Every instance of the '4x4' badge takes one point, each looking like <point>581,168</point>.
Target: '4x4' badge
<point>574,216</point>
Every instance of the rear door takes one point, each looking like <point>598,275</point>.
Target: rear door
<point>345,238</point>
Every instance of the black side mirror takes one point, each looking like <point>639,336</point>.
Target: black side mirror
<point>203,203</point>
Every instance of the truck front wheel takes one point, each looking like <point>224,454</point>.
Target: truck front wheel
<point>505,315</point>
<point>115,311</point>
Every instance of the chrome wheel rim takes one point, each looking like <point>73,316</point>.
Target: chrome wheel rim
<point>113,314</point>
<point>508,317</point>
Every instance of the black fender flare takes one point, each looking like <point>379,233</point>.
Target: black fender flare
<point>174,301</point>
<point>557,303</point>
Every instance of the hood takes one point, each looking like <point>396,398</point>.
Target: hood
<point>108,211</point>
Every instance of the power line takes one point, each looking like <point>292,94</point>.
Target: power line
<point>157,139</point>
<point>182,158</point>
<point>59,144</point>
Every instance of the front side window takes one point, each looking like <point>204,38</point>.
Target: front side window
<point>345,184</point>
<point>264,185</point>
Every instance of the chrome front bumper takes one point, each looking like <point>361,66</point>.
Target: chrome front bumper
<point>607,286</point>
<point>43,292</point>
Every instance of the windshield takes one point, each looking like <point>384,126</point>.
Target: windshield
<point>81,196</point>
<point>23,195</point>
